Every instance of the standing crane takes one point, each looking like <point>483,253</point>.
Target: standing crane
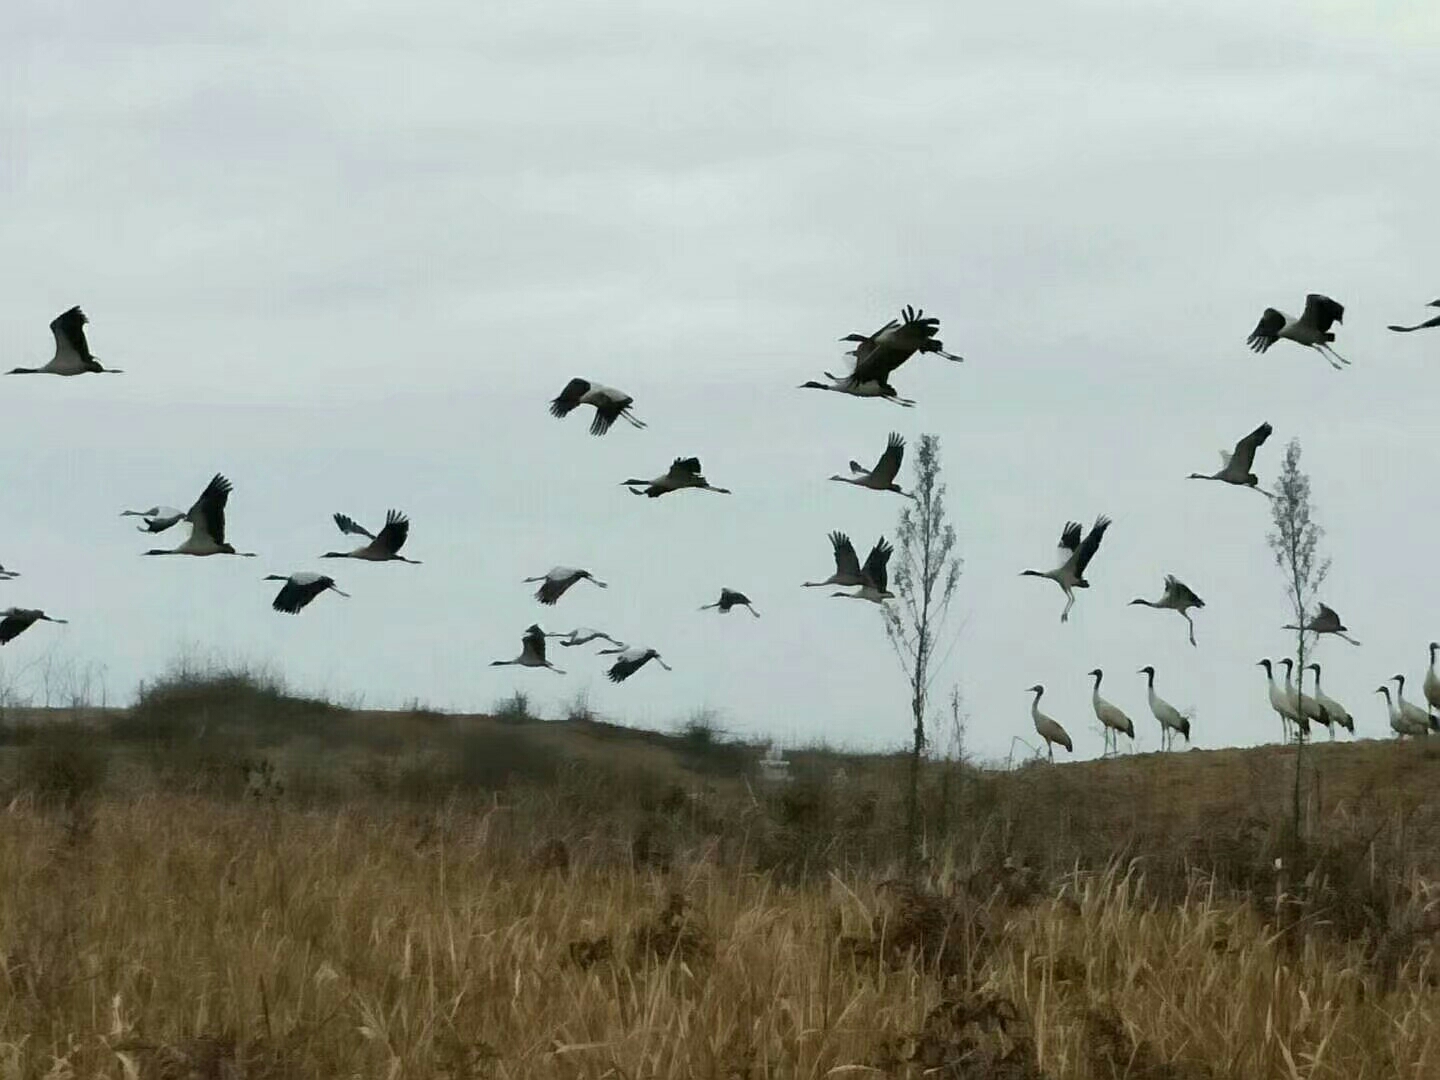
<point>1301,702</point>
<point>1047,728</point>
<point>1426,325</point>
<point>882,476</point>
<point>1235,465</point>
<point>299,589</point>
<point>1399,723</point>
<point>1113,721</point>
<point>207,524</point>
<point>15,621</point>
<point>610,404</point>
<point>72,351</point>
<point>730,598</point>
<point>1432,681</point>
<point>1413,713</point>
<point>532,652</point>
<point>683,473</point>
<point>1312,328</point>
<point>558,580</point>
<point>1337,713</point>
<point>1326,622</point>
<point>1281,704</point>
<point>1075,555</point>
<point>1171,719</point>
<point>1177,597</point>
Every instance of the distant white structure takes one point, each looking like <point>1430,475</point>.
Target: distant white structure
<point>774,769</point>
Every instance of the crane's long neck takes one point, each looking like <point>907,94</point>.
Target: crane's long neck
<point>1035,705</point>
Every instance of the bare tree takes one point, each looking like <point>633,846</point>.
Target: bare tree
<point>1295,543</point>
<point>926,575</point>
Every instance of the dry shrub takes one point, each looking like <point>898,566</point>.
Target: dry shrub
<point>585,953</point>
<point>62,766</point>
<point>1113,1054</point>
<point>552,855</point>
<point>672,933</point>
<point>948,936</point>
<point>966,1038</point>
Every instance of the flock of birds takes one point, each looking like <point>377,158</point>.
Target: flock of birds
<point>875,358</point>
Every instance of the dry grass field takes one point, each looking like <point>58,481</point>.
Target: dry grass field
<point>190,891</point>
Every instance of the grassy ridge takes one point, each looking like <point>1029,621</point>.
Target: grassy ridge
<point>229,881</point>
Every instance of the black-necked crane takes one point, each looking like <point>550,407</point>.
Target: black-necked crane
<point>72,351</point>
<point>882,476</point>
<point>847,563</point>
<point>1235,465</point>
<point>1112,719</point>
<point>630,660</point>
<point>1301,702</point>
<point>1426,325</point>
<point>1171,719</point>
<point>1399,723</point>
<point>384,546</point>
<point>1281,704</point>
<point>1412,713</point>
<point>157,518</point>
<point>1432,681</point>
<point>1325,622</point>
<point>207,524</point>
<point>15,621</point>
<point>683,473</point>
<point>1075,555</point>
<point>583,635</point>
<point>1312,328</point>
<point>879,354</point>
<point>532,652</point>
<point>730,598</point>
<point>1177,597</point>
<point>874,576</point>
<point>1046,727</point>
<point>299,589</point>
<point>558,579</point>
<point>610,404</point>
<point>856,387</point>
<point>1336,712</point>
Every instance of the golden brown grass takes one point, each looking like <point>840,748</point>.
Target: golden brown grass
<point>172,936</point>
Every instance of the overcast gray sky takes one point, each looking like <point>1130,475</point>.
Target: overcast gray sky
<point>347,252</point>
